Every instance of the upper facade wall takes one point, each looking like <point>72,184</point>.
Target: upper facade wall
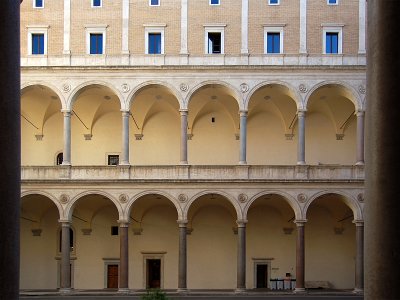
<point>185,27</point>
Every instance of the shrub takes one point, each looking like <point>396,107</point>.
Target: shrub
<point>154,294</point>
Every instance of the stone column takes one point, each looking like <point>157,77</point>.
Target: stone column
<point>245,27</point>
<point>300,257</point>
<point>10,158</point>
<point>67,27</point>
<point>125,138</point>
<point>301,147</point>
<point>360,138</point>
<point>359,288</point>
<point>123,257</point>
<point>241,256</point>
<point>65,285</point>
<point>184,148</point>
<point>67,138</point>
<point>182,263</point>
<point>382,222</point>
<point>243,137</point>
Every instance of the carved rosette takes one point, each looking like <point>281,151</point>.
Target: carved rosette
<point>360,197</point>
<point>243,198</point>
<point>303,88</point>
<point>302,197</point>
<point>123,198</point>
<point>64,198</point>
<point>66,88</point>
<point>125,88</point>
<point>244,87</point>
<point>361,89</point>
<point>184,87</point>
<point>183,198</point>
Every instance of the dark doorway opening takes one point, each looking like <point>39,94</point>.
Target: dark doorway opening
<point>112,276</point>
<point>153,267</point>
<point>262,276</point>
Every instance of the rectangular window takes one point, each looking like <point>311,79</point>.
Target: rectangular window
<point>273,42</point>
<point>214,2</point>
<point>96,43</point>
<point>214,42</point>
<point>38,3</point>
<point>96,3</point>
<point>332,2</point>
<point>113,160</point>
<point>37,43</point>
<point>154,2</point>
<point>273,2</point>
<point>114,230</point>
<point>154,46</point>
<point>332,43</point>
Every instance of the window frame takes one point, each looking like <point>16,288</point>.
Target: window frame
<point>338,28</point>
<point>274,29</point>
<point>151,29</point>
<point>278,2</point>
<point>158,3</point>
<point>38,29</point>
<point>215,4</point>
<point>214,29</point>
<point>96,29</point>
<point>34,4</point>
<point>96,6</point>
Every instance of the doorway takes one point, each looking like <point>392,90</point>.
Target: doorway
<point>153,273</point>
<point>261,276</point>
<point>112,276</point>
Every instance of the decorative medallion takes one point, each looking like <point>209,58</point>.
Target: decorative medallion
<point>125,87</point>
<point>242,198</point>
<point>123,198</point>
<point>66,87</point>
<point>184,87</point>
<point>183,198</point>
<point>302,197</point>
<point>360,197</point>
<point>303,88</point>
<point>361,89</point>
<point>244,87</point>
<point>64,198</point>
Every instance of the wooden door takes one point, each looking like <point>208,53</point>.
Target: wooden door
<point>112,276</point>
<point>153,273</point>
<point>262,276</point>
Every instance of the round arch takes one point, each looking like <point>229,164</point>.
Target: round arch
<point>348,200</point>
<point>136,197</point>
<point>228,197</point>
<point>78,90</point>
<point>53,88</point>
<point>295,95</point>
<point>70,207</point>
<point>145,84</point>
<point>231,90</point>
<point>355,98</point>
<point>51,197</point>
<point>288,198</point>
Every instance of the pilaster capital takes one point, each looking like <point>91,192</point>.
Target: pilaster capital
<point>243,113</point>
<point>123,223</point>
<point>300,223</point>
<point>241,223</point>
<point>182,223</point>
<point>359,223</point>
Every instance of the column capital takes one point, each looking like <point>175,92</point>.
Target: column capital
<point>300,223</point>
<point>66,112</point>
<point>243,113</point>
<point>358,223</point>
<point>123,223</point>
<point>301,112</point>
<point>182,223</point>
<point>241,223</point>
<point>65,223</point>
<point>184,111</point>
<point>125,111</point>
<point>360,113</point>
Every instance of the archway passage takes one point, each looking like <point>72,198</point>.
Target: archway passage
<point>330,244</point>
<point>331,126</point>
<point>154,245</point>
<point>39,252</point>
<point>41,126</point>
<point>212,243</point>
<point>155,126</point>
<point>213,126</point>
<point>271,243</point>
<point>271,126</point>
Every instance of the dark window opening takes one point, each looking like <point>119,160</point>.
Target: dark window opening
<point>114,230</point>
<point>212,120</point>
<point>214,42</point>
<point>113,160</point>
<point>59,159</point>
<point>71,240</point>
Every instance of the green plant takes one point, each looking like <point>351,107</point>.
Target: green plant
<point>154,294</point>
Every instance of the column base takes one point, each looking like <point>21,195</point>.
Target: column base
<point>65,290</point>
<point>360,163</point>
<point>301,163</point>
<point>66,163</point>
<point>183,162</point>
<point>299,291</point>
<point>123,291</point>
<point>358,291</point>
<point>242,162</point>
<point>240,290</point>
<point>182,290</point>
